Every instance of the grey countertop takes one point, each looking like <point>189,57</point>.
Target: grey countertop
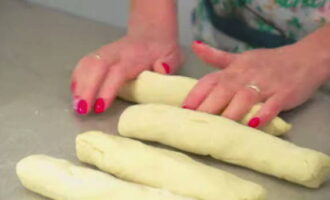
<point>38,50</point>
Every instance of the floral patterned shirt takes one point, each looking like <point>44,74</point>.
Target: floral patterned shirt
<point>239,25</point>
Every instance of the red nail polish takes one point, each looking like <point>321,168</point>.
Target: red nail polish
<point>166,68</point>
<point>99,106</point>
<point>254,122</point>
<point>73,86</point>
<point>198,42</point>
<point>81,107</point>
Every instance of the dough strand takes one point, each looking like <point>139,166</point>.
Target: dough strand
<point>151,87</point>
<point>225,140</point>
<point>61,180</point>
<point>140,163</point>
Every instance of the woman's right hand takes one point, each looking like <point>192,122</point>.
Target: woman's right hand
<point>99,75</point>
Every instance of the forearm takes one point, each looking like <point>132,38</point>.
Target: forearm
<point>154,18</point>
<point>318,44</point>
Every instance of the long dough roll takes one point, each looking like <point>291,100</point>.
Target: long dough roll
<point>150,87</point>
<point>134,161</point>
<point>226,140</point>
<point>61,180</point>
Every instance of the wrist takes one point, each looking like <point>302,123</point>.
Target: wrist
<point>152,31</point>
<point>153,19</point>
<point>317,46</point>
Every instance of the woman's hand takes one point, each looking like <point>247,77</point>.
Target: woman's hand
<point>286,77</point>
<point>98,76</point>
<point>150,44</point>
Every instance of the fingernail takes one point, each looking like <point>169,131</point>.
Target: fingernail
<point>81,107</point>
<point>198,42</point>
<point>73,86</point>
<point>254,122</point>
<point>99,106</point>
<point>166,68</point>
<point>187,107</point>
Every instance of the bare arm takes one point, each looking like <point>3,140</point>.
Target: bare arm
<point>318,43</point>
<point>157,16</point>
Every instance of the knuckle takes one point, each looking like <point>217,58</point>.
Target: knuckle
<point>233,116</point>
<point>92,61</point>
<point>196,93</point>
<point>267,114</point>
<point>272,110</point>
<point>275,106</point>
<point>232,76</point>
<point>210,78</point>
<point>247,95</point>
<point>228,85</point>
<point>224,90</point>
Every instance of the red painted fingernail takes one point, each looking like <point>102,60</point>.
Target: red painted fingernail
<point>254,122</point>
<point>166,68</point>
<point>73,86</point>
<point>99,106</point>
<point>198,42</point>
<point>81,107</point>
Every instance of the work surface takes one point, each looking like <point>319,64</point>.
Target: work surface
<point>38,50</point>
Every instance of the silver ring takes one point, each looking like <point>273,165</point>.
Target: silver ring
<point>254,87</point>
<point>95,55</point>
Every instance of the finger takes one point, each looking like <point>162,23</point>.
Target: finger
<point>200,91</point>
<point>217,100</point>
<point>241,103</point>
<point>73,85</point>
<point>168,64</point>
<point>212,56</point>
<point>111,85</point>
<point>268,111</point>
<point>86,79</point>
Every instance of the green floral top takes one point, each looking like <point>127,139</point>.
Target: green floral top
<point>239,25</point>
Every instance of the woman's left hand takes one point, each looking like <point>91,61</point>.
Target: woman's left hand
<point>283,78</point>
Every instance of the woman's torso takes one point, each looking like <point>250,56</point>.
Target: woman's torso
<point>238,25</point>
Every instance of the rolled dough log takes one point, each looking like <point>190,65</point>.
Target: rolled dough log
<point>61,180</point>
<point>152,87</point>
<point>226,140</point>
<point>134,161</point>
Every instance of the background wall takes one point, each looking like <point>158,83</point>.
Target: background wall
<point>115,12</point>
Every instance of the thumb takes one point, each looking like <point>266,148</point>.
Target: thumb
<point>212,56</point>
<point>168,64</point>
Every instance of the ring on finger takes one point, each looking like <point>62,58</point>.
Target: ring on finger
<point>254,87</point>
<point>95,55</point>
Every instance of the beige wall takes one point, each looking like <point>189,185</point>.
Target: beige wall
<point>115,12</point>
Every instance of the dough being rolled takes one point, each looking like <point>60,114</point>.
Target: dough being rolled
<point>61,180</point>
<point>134,161</point>
<point>226,140</point>
<point>150,87</point>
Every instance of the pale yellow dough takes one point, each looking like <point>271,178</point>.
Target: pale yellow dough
<point>150,87</point>
<point>137,162</point>
<point>226,140</point>
<point>61,180</point>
